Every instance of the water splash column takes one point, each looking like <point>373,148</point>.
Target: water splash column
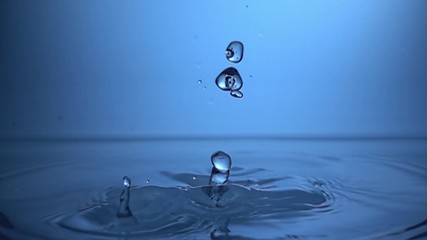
<point>124,210</point>
<point>221,164</point>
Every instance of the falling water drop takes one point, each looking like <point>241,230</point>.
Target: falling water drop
<point>234,52</point>
<point>236,94</point>
<point>221,161</point>
<point>229,79</point>
<point>200,82</point>
<point>147,181</point>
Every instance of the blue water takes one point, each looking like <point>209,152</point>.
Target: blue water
<point>278,188</point>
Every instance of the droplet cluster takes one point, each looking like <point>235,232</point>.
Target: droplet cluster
<point>229,79</point>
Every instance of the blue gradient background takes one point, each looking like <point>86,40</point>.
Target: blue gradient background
<point>130,68</point>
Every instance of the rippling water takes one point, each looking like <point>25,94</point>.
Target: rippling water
<point>277,189</point>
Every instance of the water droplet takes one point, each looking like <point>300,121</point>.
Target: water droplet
<point>126,181</point>
<point>221,161</point>
<point>194,178</point>
<point>200,82</point>
<point>147,181</point>
<point>219,178</point>
<point>234,52</point>
<point>229,79</point>
<point>236,94</point>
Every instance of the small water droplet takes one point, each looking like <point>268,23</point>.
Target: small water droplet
<point>219,178</point>
<point>204,87</point>
<point>236,94</point>
<point>147,181</point>
<point>194,178</point>
<point>229,79</point>
<point>200,82</point>
<point>221,161</point>
<point>250,75</point>
<point>126,181</point>
<point>234,52</point>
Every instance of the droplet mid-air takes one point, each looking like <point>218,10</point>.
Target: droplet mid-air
<point>229,79</point>
<point>234,52</point>
<point>236,94</point>
<point>221,161</point>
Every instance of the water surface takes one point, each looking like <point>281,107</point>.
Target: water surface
<point>277,189</point>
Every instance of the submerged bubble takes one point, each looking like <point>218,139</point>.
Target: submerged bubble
<point>221,161</point>
<point>126,181</point>
<point>229,79</point>
<point>236,94</point>
<point>234,52</point>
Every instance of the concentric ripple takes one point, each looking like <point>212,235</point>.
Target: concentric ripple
<point>161,211</point>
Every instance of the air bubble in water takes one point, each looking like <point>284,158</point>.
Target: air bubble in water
<point>221,161</point>
<point>126,181</point>
<point>199,82</point>
<point>229,79</point>
<point>236,94</point>
<point>234,52</point>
